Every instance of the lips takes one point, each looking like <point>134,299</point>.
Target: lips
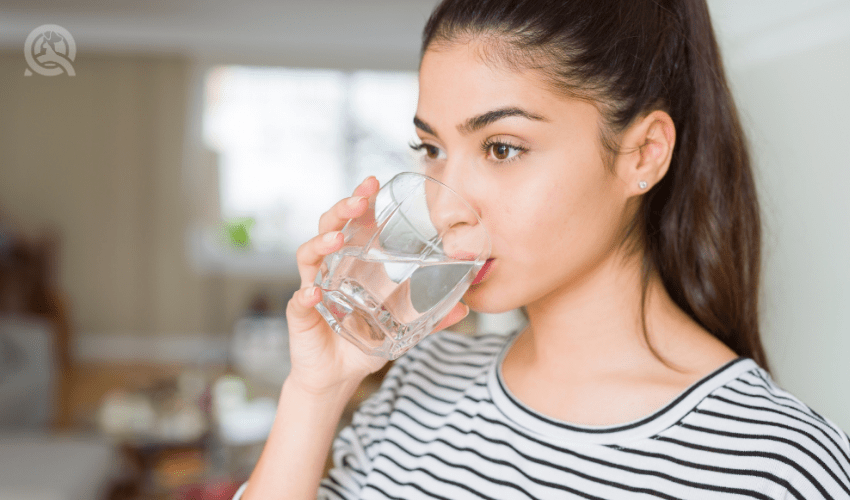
<point>485,270</point>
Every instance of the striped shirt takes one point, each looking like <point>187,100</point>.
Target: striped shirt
<point>444,425</point>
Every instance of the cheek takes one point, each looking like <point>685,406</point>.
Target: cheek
<point>534,219</point>
<point>571,216</point>
<point>559,214</point>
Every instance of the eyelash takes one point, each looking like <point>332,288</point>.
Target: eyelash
<point>487,144</point>
<point>420,146</point>
<point>485,148</point>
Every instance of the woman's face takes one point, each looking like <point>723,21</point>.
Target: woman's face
<point>529,161</point>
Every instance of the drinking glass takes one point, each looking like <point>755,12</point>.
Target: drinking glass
<point>404,265</point>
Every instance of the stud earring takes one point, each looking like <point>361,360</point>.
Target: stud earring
<point>642,184</point>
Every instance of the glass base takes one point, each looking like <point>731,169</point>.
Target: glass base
<point>338,313</point>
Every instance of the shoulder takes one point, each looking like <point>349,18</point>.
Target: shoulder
<point>445,365</point>
<point>464,343</point>
<point>757,392</point>
<point>454,352</point>
<point>442,358</point>
<point>751,417</point>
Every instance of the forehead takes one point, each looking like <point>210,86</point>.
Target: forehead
<point>458,77</point>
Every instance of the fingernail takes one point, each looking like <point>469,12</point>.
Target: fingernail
<point>310,292</point>
<point>354,200</point>
<point>366,179</point>
<point>330,237</point>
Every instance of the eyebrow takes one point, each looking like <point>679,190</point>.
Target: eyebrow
<point>478,122</point>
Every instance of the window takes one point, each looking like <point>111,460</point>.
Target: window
<point>289,144</point>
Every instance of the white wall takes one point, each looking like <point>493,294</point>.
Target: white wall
<point>796,109</point>
<point>345,34</point>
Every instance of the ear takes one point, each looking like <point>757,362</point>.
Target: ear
<point>646,149</point>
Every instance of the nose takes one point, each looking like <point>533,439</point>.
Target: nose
<point>463,236</point>
<point>447,208</point>
<point>451,201</point>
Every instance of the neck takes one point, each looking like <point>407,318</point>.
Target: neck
<point>593,326</point>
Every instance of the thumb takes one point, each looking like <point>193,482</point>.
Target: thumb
<point>458,312</point>
<point>301,314</point>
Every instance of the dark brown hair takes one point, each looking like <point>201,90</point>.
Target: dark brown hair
<point>699,227</point>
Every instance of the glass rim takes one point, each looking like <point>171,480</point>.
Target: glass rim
<point>424,177</point>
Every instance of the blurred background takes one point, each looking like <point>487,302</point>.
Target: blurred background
<point>151,203</point>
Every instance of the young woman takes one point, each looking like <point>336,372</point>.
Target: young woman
<point>599,143</point>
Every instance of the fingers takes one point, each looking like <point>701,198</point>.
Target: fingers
<point>458,312</point>
<point>309,255</point>
<point>368,187</point>
<point>300,312</point>
<point>349,208</point>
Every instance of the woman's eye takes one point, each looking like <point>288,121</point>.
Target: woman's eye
<point>430,151</point>
<point>502,151</point>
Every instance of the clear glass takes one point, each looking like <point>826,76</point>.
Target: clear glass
<point>404,264</point>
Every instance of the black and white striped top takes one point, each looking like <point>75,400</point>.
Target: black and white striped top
<point>444,425</point>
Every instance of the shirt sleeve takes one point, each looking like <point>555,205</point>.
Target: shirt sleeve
<point>357,444</point>
<point>824,472</point>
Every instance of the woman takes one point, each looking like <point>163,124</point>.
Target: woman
<point>601,147</point>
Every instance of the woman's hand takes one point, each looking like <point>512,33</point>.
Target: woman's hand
<point>323,361</point>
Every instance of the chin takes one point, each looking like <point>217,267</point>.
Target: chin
<point>488,299</point>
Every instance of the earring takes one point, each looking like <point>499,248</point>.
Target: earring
<point>642,184</point>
